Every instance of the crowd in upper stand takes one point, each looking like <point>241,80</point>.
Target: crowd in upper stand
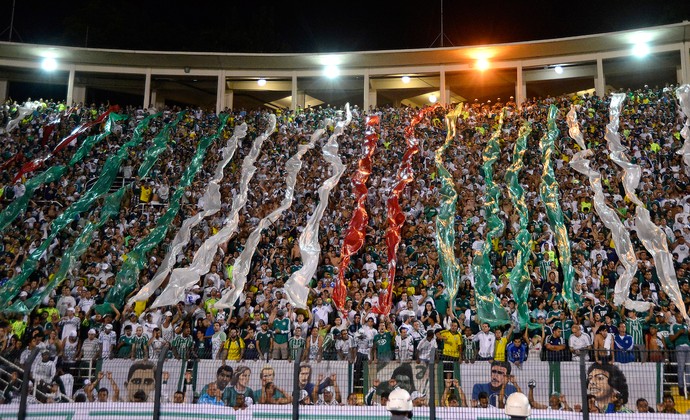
<point>71,331</point>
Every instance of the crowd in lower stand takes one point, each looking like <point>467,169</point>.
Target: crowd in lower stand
<point>263,325</point>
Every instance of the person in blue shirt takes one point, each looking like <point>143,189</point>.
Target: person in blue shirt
<point>624,345</point>
<point>500,387</point>
<point>517,351</point>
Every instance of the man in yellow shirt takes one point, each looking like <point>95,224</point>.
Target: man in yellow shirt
<point>452,347</point>
<point>234,346</point>
<point>501,344</point>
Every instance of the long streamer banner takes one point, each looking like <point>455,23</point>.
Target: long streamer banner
<point>19,205</point>
<point>22,112</point>
<point>354,236</point>
<point>652,237</point>
<point>621,238</point>
<point>128,276</point>
<point>182,279</point>
<point>244,261</point>
<point>99,189</point>
<point>683,94</point>
<point>489,307</point>
<point>520,281</point>
<point>395,215</point>
<point>548,190</point>
<point>297,286</point>
<point>38,163</point>
<point>445,217</point>
<point>210,204</point>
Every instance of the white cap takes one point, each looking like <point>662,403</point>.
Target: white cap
<point>517,405</point>
<point>87,382</point>
<point>168,313</point>
<point>399,400</point>
<point>303,394</point>
<point>108,326</point>
<point>72,333</point>
<point>92,331</point>
<point>70,309</point>
<point>23,294</point>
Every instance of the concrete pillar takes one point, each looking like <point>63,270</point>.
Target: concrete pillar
<point>367,98</point>
<point>220,92</point>
<point>600,80</point>
<point>685,63</point>
<point>3,90</point>
<point>79,94</point>
<point>229,98</point>
<point>373,100</point>
<point>148,100</point>
<point>70,86</point>
<point>520,87</point>
<point>301,99</point>
<point>293,105</point>
<point>444,99</point>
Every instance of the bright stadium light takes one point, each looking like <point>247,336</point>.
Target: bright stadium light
<point>640,49</point>
<point>331,71</point>
<point>432,98</point>
<point>482,64</point>
<point>406,79</point>
<point>49,64</point>
<point>558,69</point>
<point>261,82</point>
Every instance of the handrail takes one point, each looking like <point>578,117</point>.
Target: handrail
<point>20,370</point>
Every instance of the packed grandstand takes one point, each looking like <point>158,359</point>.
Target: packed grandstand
<point>88,224</point>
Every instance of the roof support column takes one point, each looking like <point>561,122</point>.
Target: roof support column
<point>520,87</point>
<point>443,92</point>
<point>3,90</point>
<point>367,99</point>
<point>147,89</point>
<point>293,105</point>
<point>600,80</point>
<point>220,92</point>
<point>685,63</point>
<point>70,86</point>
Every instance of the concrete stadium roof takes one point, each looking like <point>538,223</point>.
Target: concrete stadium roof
<point>523,51</point>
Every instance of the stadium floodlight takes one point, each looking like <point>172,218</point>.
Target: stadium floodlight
<point>406,79</point>
<point>558,69</point>
<point>331,71</point>
<point>261,82</point>
<point>49,64</point>
<point>640,49</point>
<point>432,98</point>
<point>482,64</point>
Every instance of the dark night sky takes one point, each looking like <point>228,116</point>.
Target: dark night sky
<point>310,26</point>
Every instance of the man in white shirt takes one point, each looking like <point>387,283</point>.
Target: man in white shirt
<point>487,342</point>
<point>404,346</point>
<point>321,311</point>
<point>578,342</point>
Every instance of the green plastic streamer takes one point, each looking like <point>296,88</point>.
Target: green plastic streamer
<point>489,307</point>
<point>110,209</point>
<point>445,219</point>
<point>127,277</point>
<point>100,188</point>
<point>549,193</point>
<point>54,173</point>
<point>520,281</point>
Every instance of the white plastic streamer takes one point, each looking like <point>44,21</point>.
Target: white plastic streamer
<point>683,94</point>
<point>244,261</point>
<point>621,237</point>
<point>182,279</point>
<point>652,237</point>
<point>22,112</point>
<point>209,203</point>
<point>297,286</point>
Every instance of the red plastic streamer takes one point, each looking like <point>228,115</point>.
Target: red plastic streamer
<point>354,237</point>
<point>395,215</point>
<point>38,163</point>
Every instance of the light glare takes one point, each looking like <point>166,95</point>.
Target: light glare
<point>640,49</point>
<point>432,98</point>
<point>49,64</point>
<point>558,70</point>
<point>331,71</point>
<point>406,79</point>
<point>482,64</point>
<point>261,82</point>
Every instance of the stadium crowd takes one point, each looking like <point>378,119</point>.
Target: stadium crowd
<point>264,326</point>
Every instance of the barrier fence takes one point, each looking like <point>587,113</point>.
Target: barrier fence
<point>274,389</point>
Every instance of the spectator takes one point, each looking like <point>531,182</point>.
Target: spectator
<point>623,344</point>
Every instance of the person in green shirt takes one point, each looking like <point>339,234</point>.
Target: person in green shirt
<point>383,345</point>
<point>681,339</point>
<point>295,343</point>
<point>281,329</point>
<point>124,346</point>
<point>441,300</point>
<point>264,337</point>
<point>140,345</point>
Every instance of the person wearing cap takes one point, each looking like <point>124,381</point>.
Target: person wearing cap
<point>70,350</point>
<point>43,371</point>
<point>108,340</point>
<point>399,404</point>
<point>69,323</point>
<point>304,398</point>
<point>329,396</point>
<point>90,348</point>
<point>280,325</point>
